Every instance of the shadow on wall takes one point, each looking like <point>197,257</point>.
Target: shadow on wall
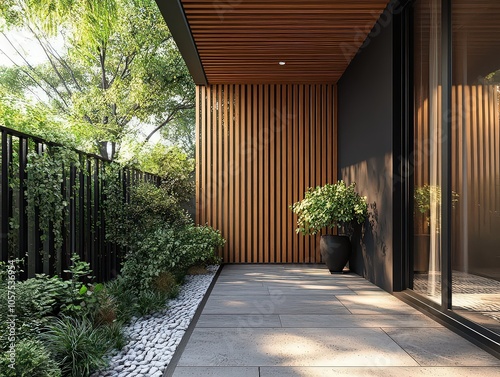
<point>372,242</point>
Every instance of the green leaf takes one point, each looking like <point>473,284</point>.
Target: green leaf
<point>83,290</point>
<point>98,288</point>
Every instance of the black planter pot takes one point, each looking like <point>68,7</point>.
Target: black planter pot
<point>335,251</point>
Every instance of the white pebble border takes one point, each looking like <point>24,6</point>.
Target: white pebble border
<point>153,339</point>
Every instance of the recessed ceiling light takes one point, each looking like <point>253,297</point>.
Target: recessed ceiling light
<point>281,63</point>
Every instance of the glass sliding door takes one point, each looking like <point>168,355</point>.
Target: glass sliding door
<point>476,161</point>
<point>475,158</point>
<point>427,149</point>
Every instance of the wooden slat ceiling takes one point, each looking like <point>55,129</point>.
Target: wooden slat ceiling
<point>242,41</point>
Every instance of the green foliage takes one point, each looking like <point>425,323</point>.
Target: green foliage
<point>124,298</point>
<point>175,168</point>
<point>200,244</point>
<point>154,253</point>
<point>166,283</point>
<point>112,76</point>
<point>37,120</point>
<point>165,248</point>
<point>32,359</point>
<point>32,306</point>
<point>76,345</point>
<point>72,296</point>
<point>428,196</point>
<point>80,298</point>
<point>45,172</point>
<point>40,297</point>
<point>87,327</point>
<point>105,312</point>
<point>329,206</point>
<point>493,78</point>
<point>113,332</point>
<point>181,132</point>
<point>150,204</point>
<point>117,223</point>
<point>150,301</point>
<point>150,207</point>
<point>133,302</point>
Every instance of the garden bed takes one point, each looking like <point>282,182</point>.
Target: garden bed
<point>153,339</point>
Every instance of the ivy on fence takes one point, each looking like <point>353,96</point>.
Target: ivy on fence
<point>46,176</point>
<point>57,201</point>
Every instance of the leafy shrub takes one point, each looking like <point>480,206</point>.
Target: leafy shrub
<point>154,253</point>
<point>137,302</point>
<point>150,207</point>
<point>76,345</point>
<point>40,297</point>
<point>329,206</point>
<point>175,168</point>
<point>150,204</point>
<point>32,359</point>
<point>169,249</point>
<point>428,196</point>
<point>71,297</point>
<point>34,302</point>
<point>200,244</point>
<point>79,299</point>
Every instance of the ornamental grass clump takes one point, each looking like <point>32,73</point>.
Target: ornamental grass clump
<point>331,205</point>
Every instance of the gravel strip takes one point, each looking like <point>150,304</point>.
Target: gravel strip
<point>152,339</point>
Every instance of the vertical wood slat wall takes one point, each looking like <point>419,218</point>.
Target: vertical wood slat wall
<point>475,168</point>
<point>476,153</point>
<point>259,147</point>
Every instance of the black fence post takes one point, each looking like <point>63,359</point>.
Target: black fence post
<point>88,208</point>
<point>38,244</point>
<point>81,210</point>
<point>23,204</point>
<point>5,198</point>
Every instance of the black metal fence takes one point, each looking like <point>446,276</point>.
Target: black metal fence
<point>83,192</point>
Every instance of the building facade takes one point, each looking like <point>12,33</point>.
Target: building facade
<point>402,98</point>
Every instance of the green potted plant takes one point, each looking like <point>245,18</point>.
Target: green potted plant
<point>330,206</point>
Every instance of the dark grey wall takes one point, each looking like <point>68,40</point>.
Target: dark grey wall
<point>365,152</point>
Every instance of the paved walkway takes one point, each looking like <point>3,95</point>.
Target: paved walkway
<point>300,321</point>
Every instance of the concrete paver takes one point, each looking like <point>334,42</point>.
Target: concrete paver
<point>274,304</point>
<point>377,372</point>
<point>216,372</point>
<point>356,320</point>
<point>300,321</point>
<point>238,320</point>
<point>294,347</point>
<point>440,347</point>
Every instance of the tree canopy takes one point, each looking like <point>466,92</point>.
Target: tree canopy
<point>118,73</point>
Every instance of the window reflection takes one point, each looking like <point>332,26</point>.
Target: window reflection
<point>427,149</point>
<point>475,158</point>
<point>476,161</point>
